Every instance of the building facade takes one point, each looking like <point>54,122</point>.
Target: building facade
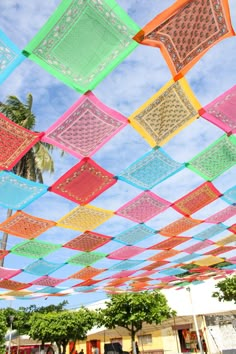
<point>217,334</point>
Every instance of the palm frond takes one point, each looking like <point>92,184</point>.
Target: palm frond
<point>29,102</point>
<point>19,112</point>
<point>43,159</point>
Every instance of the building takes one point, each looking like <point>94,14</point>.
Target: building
<point>23,344</point>
<point>197,314</point>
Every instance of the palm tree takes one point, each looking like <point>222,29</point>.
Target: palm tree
<point>38,159</point>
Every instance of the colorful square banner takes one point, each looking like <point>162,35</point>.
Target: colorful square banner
<point>88,241</point>
<point>25,225</point>
<point>85,218</point>
<point>150,169</point>
<point>166,113</point>
<point>143,208</point>
<point>10,56</point>
<point>83,41</point>
<point>221,111</point>
<point>85,127</point>
<point>83,182</point>
<point>186,30</point>
<point>15,142</point>
<point>17,192</point>
<point>215,159</point>
<point>196,199</point>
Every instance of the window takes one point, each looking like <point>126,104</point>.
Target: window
<point>145,339</point>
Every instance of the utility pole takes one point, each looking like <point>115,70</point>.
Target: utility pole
<point>11,318</point>
<point>195,321</point>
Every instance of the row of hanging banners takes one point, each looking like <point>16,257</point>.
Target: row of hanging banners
<point>102,35</point>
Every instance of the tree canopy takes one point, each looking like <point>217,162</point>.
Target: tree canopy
<point>131,310</point>
<point>61,327</point>
<point>22,315</point>
<point>3,330</point>
<point>226,290</point>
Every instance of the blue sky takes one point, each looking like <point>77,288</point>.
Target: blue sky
<point>135,80</point>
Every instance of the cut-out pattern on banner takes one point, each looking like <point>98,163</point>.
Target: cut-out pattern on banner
<point>84,182</point>
<point>15,142</point>
<point>151,169</point>
<point>170,243</point>
<point>230,196</point>
<point>47,281</point>
<point>221,111</point>
<point>17,192</point>
<point>215,159</point>
<point>166,113</point>
<point>143,207</point>
<point>10,56</point>
<point>226,240</point>
<point>135,234</point>
<point>6,273</point>
<point>42,267</point>
<point>83,41</point>
<point>88,241</point>
<point>86,258</point>
<point>183,35</point>
<point>179,226</point>
<point>85,127</point>
<point>222,215</point>
<point>26,226</point>
<point>85,218</point>
<point>86,273</point>
<point>34,249</point>
<point>12,285</point>
<point>197,199</point>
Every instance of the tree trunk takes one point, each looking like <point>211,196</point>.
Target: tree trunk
<point>59,347</point>
<point>133,346</point>
<point>42,351</point>
<point>64,348</point>
<point>3,244</point>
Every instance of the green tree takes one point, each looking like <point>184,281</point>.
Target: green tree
<point>226,290</point>
<point>44,309</point>
<point>3,331</point>
<point>61,327</point>
<point>38,159</point>
<point>7,313</point>
<point>23,314</point>
<point>131,310</point>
